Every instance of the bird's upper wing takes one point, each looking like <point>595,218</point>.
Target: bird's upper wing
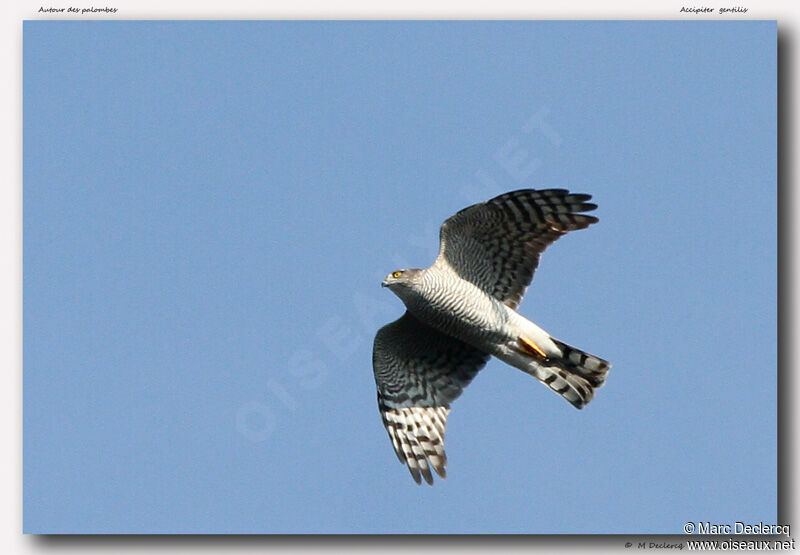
<point>496,244</point>
<point>419,372</point>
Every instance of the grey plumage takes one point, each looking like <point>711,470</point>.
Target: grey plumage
<point>461,310</point>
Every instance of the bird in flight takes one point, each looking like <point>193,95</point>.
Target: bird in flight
<point>462,309</point>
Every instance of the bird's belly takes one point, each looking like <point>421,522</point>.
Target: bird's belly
<point>466,313</point>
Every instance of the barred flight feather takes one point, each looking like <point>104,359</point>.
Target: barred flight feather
<point>417,434</point>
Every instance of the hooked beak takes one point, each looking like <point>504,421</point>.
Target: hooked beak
<point>384,283</point>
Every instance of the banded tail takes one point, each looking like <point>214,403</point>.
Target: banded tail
<point>574,375</point>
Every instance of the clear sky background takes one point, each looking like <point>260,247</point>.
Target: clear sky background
<point>209,209</point>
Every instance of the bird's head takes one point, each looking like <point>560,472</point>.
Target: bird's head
<point>399,279</point>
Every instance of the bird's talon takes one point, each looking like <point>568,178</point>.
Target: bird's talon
<point>533,347</point>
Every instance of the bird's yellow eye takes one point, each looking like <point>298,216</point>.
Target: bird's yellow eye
<point>397,274</point>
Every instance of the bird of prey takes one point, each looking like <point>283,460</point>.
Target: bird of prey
<point>462,310</point>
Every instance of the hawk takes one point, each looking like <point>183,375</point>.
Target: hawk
<point>462,310</point>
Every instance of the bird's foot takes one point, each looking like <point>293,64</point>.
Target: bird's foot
<point>532,347</point>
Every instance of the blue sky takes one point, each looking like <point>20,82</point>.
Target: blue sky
<point>209,208</point>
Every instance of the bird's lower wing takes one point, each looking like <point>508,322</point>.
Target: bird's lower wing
<point>419,371</point>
